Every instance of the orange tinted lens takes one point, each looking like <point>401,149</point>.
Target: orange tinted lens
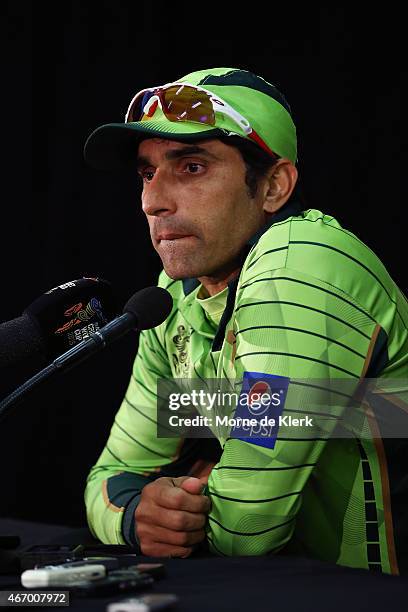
<point>184,103</point>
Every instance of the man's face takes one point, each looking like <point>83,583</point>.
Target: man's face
<point>197,203</point>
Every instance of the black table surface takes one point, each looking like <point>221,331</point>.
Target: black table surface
<point>206,583</point>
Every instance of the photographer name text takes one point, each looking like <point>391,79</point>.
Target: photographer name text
<point>209,421</point>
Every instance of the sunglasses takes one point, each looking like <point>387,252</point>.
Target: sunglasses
<point>185,102</point>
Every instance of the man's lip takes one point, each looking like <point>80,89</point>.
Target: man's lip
<point>171,236</point>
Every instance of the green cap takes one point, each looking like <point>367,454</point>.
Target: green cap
<point>114,145</point>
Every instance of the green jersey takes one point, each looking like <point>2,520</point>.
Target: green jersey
<point>311,303</point>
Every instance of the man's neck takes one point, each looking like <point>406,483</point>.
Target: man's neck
<point>213,285</point>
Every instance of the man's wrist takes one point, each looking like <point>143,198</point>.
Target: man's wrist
<point>129,523</point>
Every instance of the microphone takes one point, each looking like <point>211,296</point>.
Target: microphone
<point>20,339</point>
<point>57,320</point>
<point>145,309</point>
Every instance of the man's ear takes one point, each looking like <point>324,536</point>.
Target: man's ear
<point>279,185</point>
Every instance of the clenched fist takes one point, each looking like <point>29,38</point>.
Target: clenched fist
<point>170,516</point>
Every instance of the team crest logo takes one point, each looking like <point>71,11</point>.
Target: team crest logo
<point>180,359</point>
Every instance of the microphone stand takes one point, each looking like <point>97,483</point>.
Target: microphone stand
<point>9,559</point>
<point>78,353</point>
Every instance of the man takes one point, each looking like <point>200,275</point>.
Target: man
<point>263,293</point>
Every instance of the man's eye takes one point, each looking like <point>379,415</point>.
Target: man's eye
<point>194,168</point>
<point>147,175</point>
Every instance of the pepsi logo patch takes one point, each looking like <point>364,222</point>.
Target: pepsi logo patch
<point>262,399</point>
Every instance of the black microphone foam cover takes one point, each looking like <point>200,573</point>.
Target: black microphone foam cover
<point>150,306</point>
<point>20,339</point>
<point>67,314</point>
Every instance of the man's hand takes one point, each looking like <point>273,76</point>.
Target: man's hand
<point>170,516</point>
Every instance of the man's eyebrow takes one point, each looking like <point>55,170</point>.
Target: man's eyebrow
<point>142,161</point>
<point>189,150</point>
<point>177,154</point>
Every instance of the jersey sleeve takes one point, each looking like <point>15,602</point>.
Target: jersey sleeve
<point>133,455</point>
<point>290,325</point>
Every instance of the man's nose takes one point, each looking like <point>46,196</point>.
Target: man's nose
<point>158,197</point>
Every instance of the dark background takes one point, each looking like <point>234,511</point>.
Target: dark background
<point>67,68</point>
